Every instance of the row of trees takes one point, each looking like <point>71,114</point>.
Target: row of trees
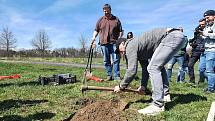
<point>59,52</point>
<point>42,45</point>
<point>7,41</point>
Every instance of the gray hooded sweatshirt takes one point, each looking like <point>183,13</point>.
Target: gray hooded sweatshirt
<point>141,49</point>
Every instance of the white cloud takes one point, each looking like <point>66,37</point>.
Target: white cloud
<point>65,20</point>
<point>172,13</point>
<point>25,25</point>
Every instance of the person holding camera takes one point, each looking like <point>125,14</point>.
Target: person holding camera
<point>197,44</point>
<point>209,35</point>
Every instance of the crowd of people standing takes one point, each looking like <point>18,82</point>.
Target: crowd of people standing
<point>154,50</point>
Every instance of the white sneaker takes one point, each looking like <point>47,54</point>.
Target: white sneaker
<point>167,98</point>
<point>151,110</point>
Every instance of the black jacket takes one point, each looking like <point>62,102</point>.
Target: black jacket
<point>197,43</point>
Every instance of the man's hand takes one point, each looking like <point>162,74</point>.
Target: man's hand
<point>141,90</point>
<point>93,43</point>
<point>206,34</point>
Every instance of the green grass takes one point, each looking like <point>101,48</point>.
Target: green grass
<point>56,59</point>
<point>51,59</point>
<point>25,100</point>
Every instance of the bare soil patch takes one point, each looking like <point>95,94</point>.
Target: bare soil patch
<point>102,110</point>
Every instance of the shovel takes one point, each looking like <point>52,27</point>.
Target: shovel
<point>88,76</point>
<point>88,72</point>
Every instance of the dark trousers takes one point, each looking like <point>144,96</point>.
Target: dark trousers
<point>192,61</point>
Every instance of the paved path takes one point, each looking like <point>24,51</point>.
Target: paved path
<point>61,64</point>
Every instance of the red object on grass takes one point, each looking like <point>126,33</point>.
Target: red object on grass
<point>16,76</point>
<point>97,79</point>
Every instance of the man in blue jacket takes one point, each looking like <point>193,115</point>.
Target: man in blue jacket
<point>197,44</point>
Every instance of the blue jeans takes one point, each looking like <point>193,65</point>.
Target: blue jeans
<point>210,69</point>
<point>108,51</point>
<point>181,71</point>
<point>202,68</point>
<point>168,47</point>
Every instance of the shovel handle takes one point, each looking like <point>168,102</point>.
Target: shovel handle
<point>84,88</point>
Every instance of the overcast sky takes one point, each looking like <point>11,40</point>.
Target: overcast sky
<point>66,20</point>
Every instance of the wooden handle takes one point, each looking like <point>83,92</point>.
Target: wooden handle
<point>84,88</point>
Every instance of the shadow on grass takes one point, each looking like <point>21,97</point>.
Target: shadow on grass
<point>29,83</point>
<point>38,117</point>
<point>184,99</point>
<point>78,80</point>
<point>6,85</point>
<point>7,104</point>
<point>48,69</point>
<point>69,118</point>
<point>41,116</point>
<point>143,101</point>
<point>138,101</point>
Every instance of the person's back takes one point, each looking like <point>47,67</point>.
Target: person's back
<point>143,46</point>
<point>182,51</point>
<point>147,42</point>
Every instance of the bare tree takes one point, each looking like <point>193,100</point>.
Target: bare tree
<point>41,42</point>
<point>83,43</point>
<point>7,40</point>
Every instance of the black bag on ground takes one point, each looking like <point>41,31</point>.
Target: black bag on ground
<point>57,79</point>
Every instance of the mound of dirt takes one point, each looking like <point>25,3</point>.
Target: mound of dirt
<point>102,110</point>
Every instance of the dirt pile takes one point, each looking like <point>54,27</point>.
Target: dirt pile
<point>102,110</point>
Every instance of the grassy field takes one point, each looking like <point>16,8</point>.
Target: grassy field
<point>51,59</point>
<point>25,99</point>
